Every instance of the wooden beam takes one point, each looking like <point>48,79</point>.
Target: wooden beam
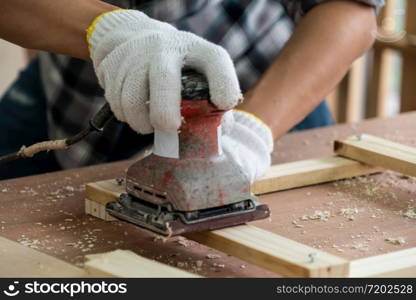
<point>17,260</point>
<point>395,264</point>
<point>273,252</point>
<point>380,75</point>
<point>255,245</point>
<point>308,172</point>
<point>124,263</point>
<point>380,152</point>
<point>408,96</point>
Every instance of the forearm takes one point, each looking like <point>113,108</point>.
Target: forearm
<point>57,26</point>
<point>322,48</point>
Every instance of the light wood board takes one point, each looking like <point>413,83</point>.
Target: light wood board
<point>307,172</point>
<point>124,263</point>
<point>395,264</point>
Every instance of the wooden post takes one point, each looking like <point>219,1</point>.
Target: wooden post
<point>380,76</point>
<point>408,100</point>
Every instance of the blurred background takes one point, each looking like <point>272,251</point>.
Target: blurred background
<point>379,84</point>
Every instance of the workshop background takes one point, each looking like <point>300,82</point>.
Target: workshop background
<point>379,84</point>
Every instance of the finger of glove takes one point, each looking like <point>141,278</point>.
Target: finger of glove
<point>165,92</point>
<point>227,122</point>
<point>218,67</point>
<point>111,82</point>
<point>135,95</point>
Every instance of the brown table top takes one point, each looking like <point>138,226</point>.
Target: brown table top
<point>46,212</point>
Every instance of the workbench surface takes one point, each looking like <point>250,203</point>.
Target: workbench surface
<point>349,218</point>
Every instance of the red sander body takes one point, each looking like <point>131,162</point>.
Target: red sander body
<point>202,190</point>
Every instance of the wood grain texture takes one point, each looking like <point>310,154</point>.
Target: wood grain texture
<point>395,264</point>
<point>309,172</point>
<point>254,245</point>
<point>124,263</point>
<point>379,152</point>
<point>17,260</point>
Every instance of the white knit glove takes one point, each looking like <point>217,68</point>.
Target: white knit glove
<point>138,62</point>
<point>249,144</point>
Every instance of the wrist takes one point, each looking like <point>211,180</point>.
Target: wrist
<point>107,21</point>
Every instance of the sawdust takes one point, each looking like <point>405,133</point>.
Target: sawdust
<point>317,215</point>
<point>396,241</point>
<point>222,266</point>
<point>409,213</point>
<point>199,263</point>
<point>212,256</point>
<point>184,242</point>
<point>297,225</point>
<point>348,213</point>
<point>361,246</point>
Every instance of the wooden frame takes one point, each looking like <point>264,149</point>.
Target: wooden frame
<point>287,257</point>
<point>257,246</point>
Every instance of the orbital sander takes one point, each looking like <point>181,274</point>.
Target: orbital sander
<point>199,190</point>
<point>202,189</point>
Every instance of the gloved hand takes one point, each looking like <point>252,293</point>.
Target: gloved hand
<point>250,144</point>
<point>138,62</point>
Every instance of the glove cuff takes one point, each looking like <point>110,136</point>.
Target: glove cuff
<point>257,125</point>
<point>107,22</point>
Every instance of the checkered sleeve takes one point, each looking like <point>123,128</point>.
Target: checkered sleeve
<point>298,8</point>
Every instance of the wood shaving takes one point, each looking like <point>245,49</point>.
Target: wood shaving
<point>396,241</point>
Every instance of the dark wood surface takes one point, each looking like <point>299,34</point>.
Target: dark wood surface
<point>46,212</point>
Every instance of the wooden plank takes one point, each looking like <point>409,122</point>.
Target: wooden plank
<point>395,264</point>
<point>355,92</point>
<point>273,252</point>
<point>264,248</point>
<point>377,151</point>
<point>308,172</point>
<point>124,263</point>
<point>109,189</point>
<point>408,96</point>
<point>17,260</point>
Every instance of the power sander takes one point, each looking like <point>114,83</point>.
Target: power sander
<point>202,189</point>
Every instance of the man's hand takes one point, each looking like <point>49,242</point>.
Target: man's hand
<point>138,61</point>
<point>250,144</point>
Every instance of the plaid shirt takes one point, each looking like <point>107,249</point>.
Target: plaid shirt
<point>252,31</point>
